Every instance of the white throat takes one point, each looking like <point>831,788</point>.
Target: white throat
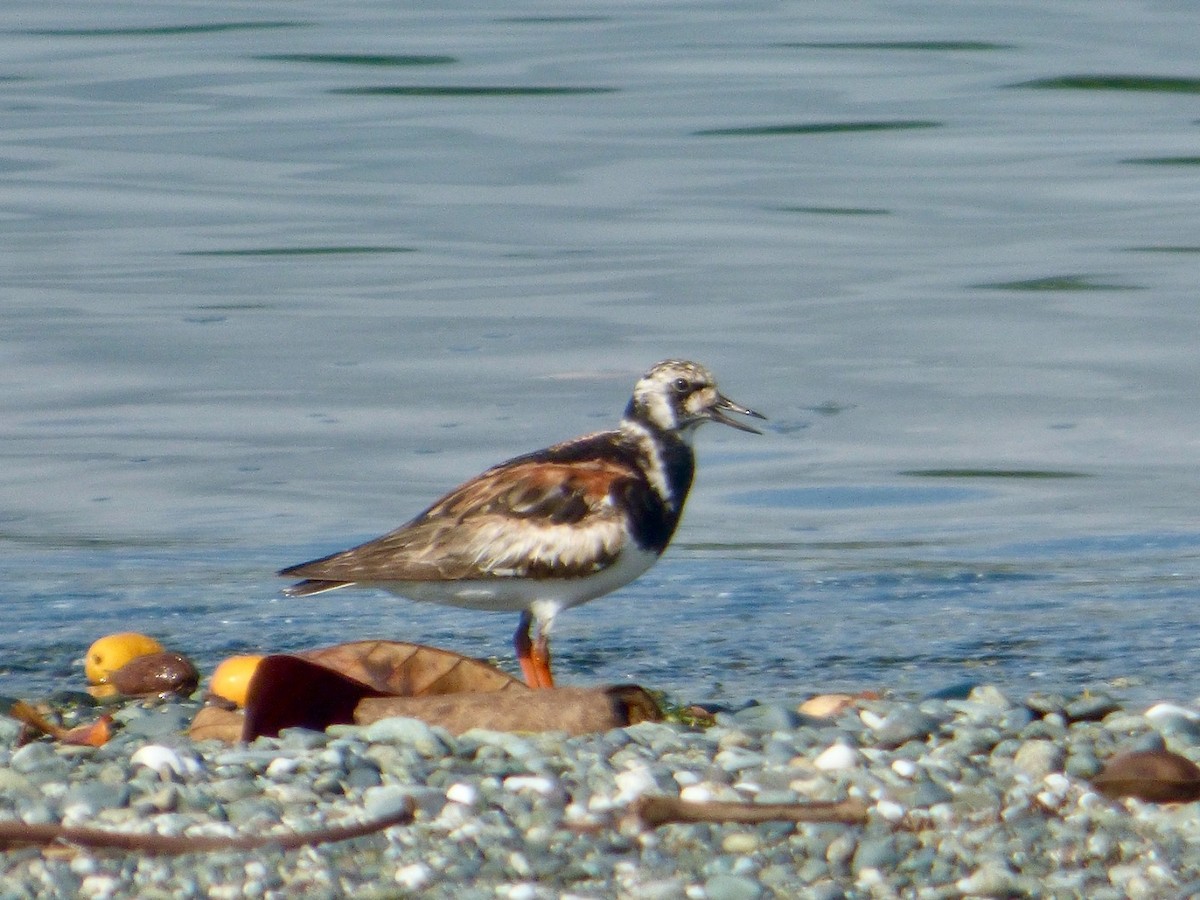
<point>656,470</point>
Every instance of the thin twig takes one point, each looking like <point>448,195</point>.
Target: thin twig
<point>655,811</point>
<point>23,833</point>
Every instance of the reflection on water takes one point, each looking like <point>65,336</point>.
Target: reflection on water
<point>274,283</point>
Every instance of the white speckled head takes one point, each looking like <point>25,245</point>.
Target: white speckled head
<point>677,395</point>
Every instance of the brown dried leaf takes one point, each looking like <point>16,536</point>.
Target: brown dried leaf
<point>368,680</point>
<point>573,710</point>
<point>1156,776</point>
<point>293,692</point>
<point>412,670</point>
<point>156,673</point>
<point>216,723</point>
<point>92,734</point>
<point>24,712</point>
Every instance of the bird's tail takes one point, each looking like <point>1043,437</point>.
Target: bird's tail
<point>313,586</point>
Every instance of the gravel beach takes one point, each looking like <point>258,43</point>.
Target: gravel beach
<point>974,793</point>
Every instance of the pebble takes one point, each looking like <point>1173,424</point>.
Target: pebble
<point>731,887</point>
<point>411,732</point>
<point>838,756</point>
<point>1038,758</point>
<point>972,792</point>
<point>164,761</point>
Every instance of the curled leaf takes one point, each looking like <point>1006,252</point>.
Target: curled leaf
<point>368,680</point>
<point>412,670</point>
<point>216,723</point>
<point>293,692</point>
<point>92,734</point>
<point>1156,776</point>
<point>573,710</point>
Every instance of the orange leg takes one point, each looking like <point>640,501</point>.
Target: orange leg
<point>533,655</point>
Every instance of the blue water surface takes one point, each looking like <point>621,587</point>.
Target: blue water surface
<point>276,276</point>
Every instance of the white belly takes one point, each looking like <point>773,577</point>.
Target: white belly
<point>544,596</point>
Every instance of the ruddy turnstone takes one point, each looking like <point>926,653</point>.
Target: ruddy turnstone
<point>554,528</point>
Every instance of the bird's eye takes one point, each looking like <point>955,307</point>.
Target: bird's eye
<point>681,385</point>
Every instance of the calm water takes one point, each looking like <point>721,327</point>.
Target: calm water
<point>275,276</point>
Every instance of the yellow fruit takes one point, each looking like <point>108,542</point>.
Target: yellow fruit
<point>231,680</point>
<point>112,651</point>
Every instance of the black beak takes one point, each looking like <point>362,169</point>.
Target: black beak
<point>717,411</point>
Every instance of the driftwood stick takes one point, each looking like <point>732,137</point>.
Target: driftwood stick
<point>656,810</point>
<point>12,833</point>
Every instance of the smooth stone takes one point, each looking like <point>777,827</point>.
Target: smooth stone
<point>960,690</point>
<point>1091,708</point>
<point>904,725</point>
<point>777,876</point>
<point>731,887</point>
<point>929,793</point>
<point>13,782</point>
<point>1171,710</point>
<point>740,842</point>
<point>1051,726</point>
<point>812,869</point>
<point>875,853</point>
<point>826,706</point>
<point>990,695</point>
<point>35,811</point>
<point>736,760</point>
<point>363,776</point>
<point>989,880</point>
<point>841,849</point>
<point>761,719</point>
<point>657,889</point>
<point>229,790</point>
<point>1038,758</point>
<point>1123,722</point>
<point>1045,703</point>
<point>1083,764</point>
<point>510,744</point>
<point>409,732</point>
<point>1015,720</point>
<point>165,721</point>
<point>777,795</point>
<point>10,729</point>
<point>824,890</point>
<point>164,761</point>
<point>303,738</point>
<point>253,810</point>
<point>38,758</point>
<point>1175,722</point>
<point>389,799</point>
<point>837,757</point>
<point>87,798</point>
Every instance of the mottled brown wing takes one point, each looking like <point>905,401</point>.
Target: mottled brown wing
<point>528,519</point>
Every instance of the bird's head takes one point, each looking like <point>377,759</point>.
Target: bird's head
<point>677,396</point>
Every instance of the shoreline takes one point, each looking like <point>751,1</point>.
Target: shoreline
<point>978,795</point>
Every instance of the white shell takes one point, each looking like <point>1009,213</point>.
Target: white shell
<point>163,760</point>
<point>838,756</point>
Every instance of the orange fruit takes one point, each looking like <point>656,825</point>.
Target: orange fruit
<point>112,651</point>
<point>231,680</point>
